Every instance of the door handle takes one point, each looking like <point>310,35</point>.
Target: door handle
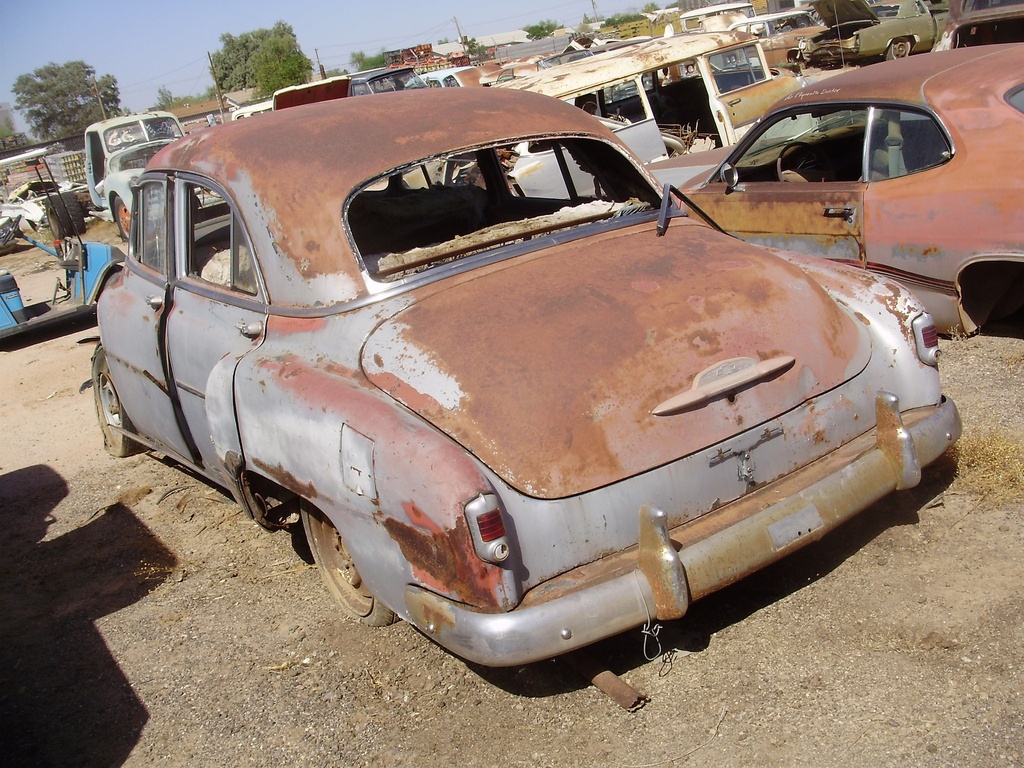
<point>840,212</point>
<point>734,102</point>
<point>155,302</point>
<point>250,330</point>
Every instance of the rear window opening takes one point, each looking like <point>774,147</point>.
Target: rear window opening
<point>452,206</point>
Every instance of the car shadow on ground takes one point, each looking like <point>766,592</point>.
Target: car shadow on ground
<point>705,618</point>
<point>64,700</point>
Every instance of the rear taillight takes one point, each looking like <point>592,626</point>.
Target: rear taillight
<point>487,528</point>
<point>927,339</point>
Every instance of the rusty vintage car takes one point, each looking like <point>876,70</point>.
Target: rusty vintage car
<point>900,168</point>
<point>982,22</point>
<point>673,94</point>
<point>781,34</point>
<point>520,423</point>
<point>859,30</point>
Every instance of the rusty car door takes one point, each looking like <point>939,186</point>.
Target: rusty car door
<point>817,218</point>
<point>218,316</point>
<point>137,359</point>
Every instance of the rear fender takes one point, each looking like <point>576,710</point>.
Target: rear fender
<point>393,485</point>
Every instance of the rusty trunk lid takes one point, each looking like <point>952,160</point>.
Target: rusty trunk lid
<point>549,367</point>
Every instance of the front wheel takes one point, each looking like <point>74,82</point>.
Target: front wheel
<point>339,572</point>
<point>122,215</point>
<point>109,411</point>
<point>898,49</point>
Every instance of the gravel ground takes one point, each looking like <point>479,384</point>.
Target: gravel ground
<point>147,621</point>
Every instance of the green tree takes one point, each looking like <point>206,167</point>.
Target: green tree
<point>361,61</point>
<point>237,62</point>
<point>623,18</point>
<point>541,29</point>
<point>166,100</point>
<point>60,100</point>
<point>278,64</point>
<point>357,60</point>
<point>651,8</point>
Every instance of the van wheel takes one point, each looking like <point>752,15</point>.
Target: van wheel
<point>339,572</point>
<point>898,49</point>
<point>122,215</point>
<point>109,411</point>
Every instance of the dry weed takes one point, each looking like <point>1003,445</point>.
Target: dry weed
<point>990,463</point>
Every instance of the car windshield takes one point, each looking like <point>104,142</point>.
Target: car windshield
<point>452,206</point>
<point>151,129</point>
<point>395,81</point>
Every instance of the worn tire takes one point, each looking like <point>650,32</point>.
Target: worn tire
<point>122,216</point>
<point>66,216</point>
<point>339,572</point>
<point>898,49</point>
<point>109,411</point>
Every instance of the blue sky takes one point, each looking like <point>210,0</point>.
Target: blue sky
<point>146,44</point>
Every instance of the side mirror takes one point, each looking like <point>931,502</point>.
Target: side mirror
<point>730,176</point>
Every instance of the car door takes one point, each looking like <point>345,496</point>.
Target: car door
<point>218,316</point>
<point>800,185</point>
<point>133,321</point>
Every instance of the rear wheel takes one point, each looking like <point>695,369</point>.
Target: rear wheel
<point>898,49</point>
<point>122,215</point>
<point>66,216</point>
<point>109,411</point>
<point>339,572</point>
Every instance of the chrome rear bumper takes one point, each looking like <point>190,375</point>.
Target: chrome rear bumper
<point>669,569</point>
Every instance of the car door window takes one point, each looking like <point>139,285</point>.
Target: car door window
<point>736,68</point>
<point>152,244</point>
<point>813,146</point>
<point>217,250</point>
<point>904,142</point>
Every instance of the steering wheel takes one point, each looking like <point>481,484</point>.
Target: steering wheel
<point>799,161</point>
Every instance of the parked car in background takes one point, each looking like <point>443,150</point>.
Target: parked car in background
<point>116,151</point>
<point>780,34</point>
<point>900,168</point>
<point>520,423</point>
<point>671,95</point>
<point>457,77</point>
<point>982,22</point>
<point>713,18</point>
<point>859,31</point>
<point>379,80</point>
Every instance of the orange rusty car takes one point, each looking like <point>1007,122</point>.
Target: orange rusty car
<point>905,168</point>
<point>523,404</point>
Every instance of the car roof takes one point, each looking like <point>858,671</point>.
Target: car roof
<point>964,78</point>
<point>290,172</point>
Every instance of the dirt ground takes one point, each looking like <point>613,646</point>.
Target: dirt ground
<point>146,620</point>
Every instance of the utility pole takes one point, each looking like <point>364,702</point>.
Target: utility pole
<point>323,72</point>
<point>96,90</point>
<point>216,84</point>
<point>462,40</point>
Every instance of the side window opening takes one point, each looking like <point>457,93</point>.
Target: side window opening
<point>736,68</point>
<point>446,208</point>
<point>151,245</point>
<point>217,250</point>
<point>904,142</point>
